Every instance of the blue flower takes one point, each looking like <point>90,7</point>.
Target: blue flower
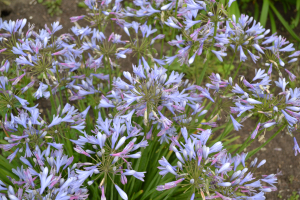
<point>236,125</point>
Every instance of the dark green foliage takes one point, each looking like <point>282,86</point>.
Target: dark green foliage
<point>53,6</point>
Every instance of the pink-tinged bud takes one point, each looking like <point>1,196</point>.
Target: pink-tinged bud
<point>123,179</point>
<point>169,185</point>
<point>149,134</point>
<point>270,70</point>
<point>103,193</point>
<point>76,18</point>
<point>247,84</point>
<point>62,52</point>
<point>111,36</point>
<point>78,149</point>
<point>162,132</point>
<point>255,131</point>
<point>69,65</point>
<point>18,79</point>
<point>291,75</point>
<point>47,29</point>
<point>2,50</point>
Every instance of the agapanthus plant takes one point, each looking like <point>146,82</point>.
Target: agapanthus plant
<point>150,91</point>
<point>255,97</point>
<point>113,143</point>
<point>212,172</point>
<point>48,174</point>
<point>27,129</point>
<point>142,112</point>
<point>212,30</point>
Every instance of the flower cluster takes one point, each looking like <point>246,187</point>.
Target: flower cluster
<point>254,97</point>
<point>28,129</point>
<point>212,171</point>
<point>48,175</point>
<point>110,120</point>
<point>200,32</point>
<point>111,152</point>
<point>150,90</point>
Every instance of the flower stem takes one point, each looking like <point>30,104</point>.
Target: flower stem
<point>247,143</point>
<point>199,81</point>
<point>162,44</point>
<point>174,30</point>
<point>231,62</point>
<point>253,152</point>
<point>236,71</point>
<point>109,70</point>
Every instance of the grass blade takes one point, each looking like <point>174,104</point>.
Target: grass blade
<point>273,23</point>
<point>284,23</point>
<point>264,13</point>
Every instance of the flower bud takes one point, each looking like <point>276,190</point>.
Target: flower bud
<point>61,181</point>
<point>179,165</point>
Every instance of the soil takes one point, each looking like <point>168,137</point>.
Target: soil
<point>279,152</point>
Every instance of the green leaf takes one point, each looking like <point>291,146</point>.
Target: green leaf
<point>137,194</point>
<point>273,23</point>
<point>234,9</point>
<point>256,11</point>
<point>40,1</point>
<point>284,23</point>
<point>264,13</point>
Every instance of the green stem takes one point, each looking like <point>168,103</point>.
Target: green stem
<point>112,188</point>
<point>66,93</point>
<point>109,70</point>
<point>253,152</point>
<point>236,72</point>
<point>199,81</point>
<point>174,30</point>
<point>231,62</point>
<point>162,44</point>
<point>52,100</point>
<point>112,26</point>
<point>246,144</point>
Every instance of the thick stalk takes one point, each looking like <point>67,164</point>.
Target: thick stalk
<point>199,81</point>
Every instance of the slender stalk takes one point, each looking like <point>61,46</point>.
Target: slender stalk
<point>236,72</point>
<point>245,144</point>
<point>112,188</point>
<point>107,67</point>
<point>174,30</point>
<point>252,153</point>
<point>231,62</point>
<point>66,94</point>
<point>162,44</point>
<point>52,100</point>
<point>199,81</point>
